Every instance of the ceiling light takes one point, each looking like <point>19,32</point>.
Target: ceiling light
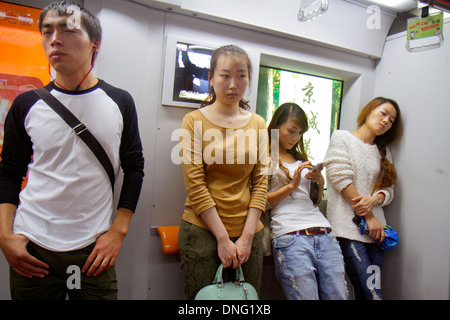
<point>397,5</point>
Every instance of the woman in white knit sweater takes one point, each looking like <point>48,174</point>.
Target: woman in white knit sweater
<point>362,176</point>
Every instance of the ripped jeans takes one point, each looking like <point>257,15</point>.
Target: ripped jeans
<point>363,263</point>
<point>310,267</point>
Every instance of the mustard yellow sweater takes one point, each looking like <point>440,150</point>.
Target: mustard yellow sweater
<point>222,167</point>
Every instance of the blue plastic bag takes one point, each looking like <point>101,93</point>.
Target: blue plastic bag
<point>391,238</point>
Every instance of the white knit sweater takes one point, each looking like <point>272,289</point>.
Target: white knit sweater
<point>350,160</point>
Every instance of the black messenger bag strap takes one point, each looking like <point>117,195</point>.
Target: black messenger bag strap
<point>80,130</point>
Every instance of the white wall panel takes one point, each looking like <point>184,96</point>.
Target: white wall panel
<point>419,82</point>
<point>345,26</point>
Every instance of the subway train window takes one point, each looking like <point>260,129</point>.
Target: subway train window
<point>23,65</point>
<point>319,97</point>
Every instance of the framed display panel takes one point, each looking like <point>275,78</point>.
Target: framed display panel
<point>186,67</point>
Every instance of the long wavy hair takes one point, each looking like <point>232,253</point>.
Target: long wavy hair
<point>388,174</point>
<point>231,50</point>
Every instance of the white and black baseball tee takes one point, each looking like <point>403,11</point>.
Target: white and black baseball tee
<point>67,202</point>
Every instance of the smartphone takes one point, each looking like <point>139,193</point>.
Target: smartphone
<point>317,167</point>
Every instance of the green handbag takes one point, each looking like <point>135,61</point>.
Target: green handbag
<point>237,290</point>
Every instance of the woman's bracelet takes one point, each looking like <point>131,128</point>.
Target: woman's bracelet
<point>379,200</point>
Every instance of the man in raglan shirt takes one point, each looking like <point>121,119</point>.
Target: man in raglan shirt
<point>63,218</point>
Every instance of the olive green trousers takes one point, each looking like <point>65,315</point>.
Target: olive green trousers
<point>200,259</point>
<point>64,279</point>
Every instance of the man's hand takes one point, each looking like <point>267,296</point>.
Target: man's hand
<point>108,245</point>
<point>104,255</point>
<point>14,248</point>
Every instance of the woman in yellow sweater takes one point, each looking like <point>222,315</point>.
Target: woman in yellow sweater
<point>225,179</point>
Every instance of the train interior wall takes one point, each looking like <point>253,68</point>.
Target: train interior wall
<point>132,57</point>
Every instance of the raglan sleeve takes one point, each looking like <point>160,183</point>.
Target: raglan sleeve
<point>131,157</point>
<point>16,152</point>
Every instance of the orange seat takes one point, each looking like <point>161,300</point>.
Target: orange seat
<point>169,239</point>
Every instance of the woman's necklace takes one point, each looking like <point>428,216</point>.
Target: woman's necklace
<point>229,119</point>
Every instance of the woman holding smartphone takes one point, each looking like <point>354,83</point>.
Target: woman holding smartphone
<point>308,260</point>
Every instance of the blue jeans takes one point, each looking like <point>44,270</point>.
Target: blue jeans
<point>363,263</point>
<point>310,267</point>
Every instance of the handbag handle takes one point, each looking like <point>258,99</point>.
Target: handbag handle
<point>218,278</point>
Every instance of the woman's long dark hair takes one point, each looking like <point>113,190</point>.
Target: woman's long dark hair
<point>388,174</point>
